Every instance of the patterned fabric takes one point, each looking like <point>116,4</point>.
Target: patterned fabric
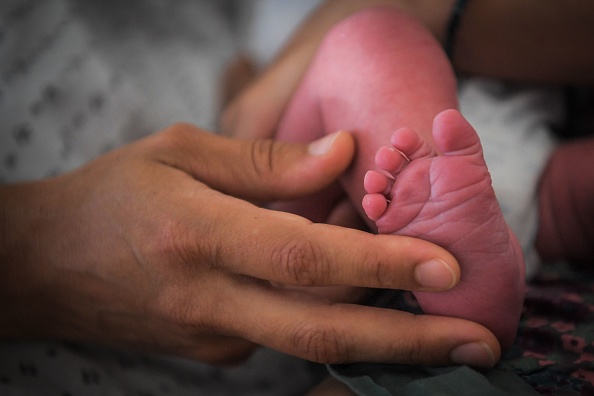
<point>79,78</point>
<point>554,351</point>
<point>69,369</point>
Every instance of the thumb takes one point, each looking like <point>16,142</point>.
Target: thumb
<point>265,169</point>
<point>275,170</point>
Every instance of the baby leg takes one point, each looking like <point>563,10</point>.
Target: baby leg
<point>447,199</point>
<point>374,72</point>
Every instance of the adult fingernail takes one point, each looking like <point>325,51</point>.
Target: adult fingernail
<point>476,354</point>
<point>322,146</point>
<point>435,274</point>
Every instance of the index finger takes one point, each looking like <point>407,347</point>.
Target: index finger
<point>289,249</point>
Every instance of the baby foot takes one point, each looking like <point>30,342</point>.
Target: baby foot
<point>447,199</point>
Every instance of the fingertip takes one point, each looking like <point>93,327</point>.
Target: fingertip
<point>327,159</point>
<point>476,354</point>
<point>340,142</point>
<point>477,346</point>
<point>343,147</point>
<point>331,155</point>
<point>322,146</point>
<point>425,252</point>
<point>454,341</point>
<point>436,274</point>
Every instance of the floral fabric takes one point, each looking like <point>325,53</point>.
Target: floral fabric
<point>554,350</point>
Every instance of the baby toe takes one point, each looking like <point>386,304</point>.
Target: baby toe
<point>374,206</point>
<point>377,183</point>
<point>412,145</point>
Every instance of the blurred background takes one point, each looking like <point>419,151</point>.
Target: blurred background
<point>78,78</point>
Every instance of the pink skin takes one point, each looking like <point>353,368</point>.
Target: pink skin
<point>448,199</point>
<point>379,71</point>
<point>374,72</point>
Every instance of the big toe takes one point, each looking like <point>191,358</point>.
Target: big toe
<point>454,135</point>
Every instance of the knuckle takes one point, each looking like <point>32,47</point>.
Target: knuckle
<point>415,351</point>
<point>174,255</point>
<point>173,143</point>
<point>380,271</point>
<point>262,156</point>
<point>171,243</point>
<point>411,349</point>
<point>180,129</point>
<point>320,344</point>
<point>198,336</point>
<point>183,313</point>
<point>179,247</point>
<point>177,312</point>
<point>383,272</point>
<point>301,263</point>
<point>191,317</point>
<point>174,134</point>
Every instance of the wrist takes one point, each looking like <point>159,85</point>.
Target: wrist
<point>24,268</point>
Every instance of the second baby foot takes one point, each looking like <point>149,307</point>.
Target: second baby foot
<point>447,199</point>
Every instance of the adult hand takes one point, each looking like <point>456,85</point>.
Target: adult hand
<point>153,246</point>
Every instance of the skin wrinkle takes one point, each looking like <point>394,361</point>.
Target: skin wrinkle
<point>382,279</point>
<point>304,269</point>
<point>322,344</point>
<point>261,168</point>
<point>413,353</point>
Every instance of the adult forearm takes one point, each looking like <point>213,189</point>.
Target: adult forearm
<point>528,40</point>
<point>20,285</point>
